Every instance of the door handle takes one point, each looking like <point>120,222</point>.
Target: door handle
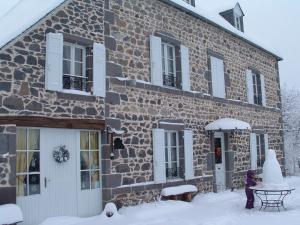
<point>46,181</point>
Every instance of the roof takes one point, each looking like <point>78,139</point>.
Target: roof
<point>227,124</point>
<point>17,16</point>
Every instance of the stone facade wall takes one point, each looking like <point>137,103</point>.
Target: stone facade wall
<point>22,66</point>
<point>7,163</point>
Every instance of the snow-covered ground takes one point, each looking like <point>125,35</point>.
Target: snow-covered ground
<point>226,208</point>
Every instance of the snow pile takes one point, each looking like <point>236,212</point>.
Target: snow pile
<point>10,213</point>
<point>224,208</point>
<point>272,175</point>
<point>22,14</point>
<point>178,190</point>
<point>228,124</point>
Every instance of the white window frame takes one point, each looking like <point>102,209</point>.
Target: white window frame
<point>165,60</point>
<point>260,144</point>
<point>90,170</point>
<point>72,61</point>
<point>168,148</point>
<point>238,22</point>
<point>257,91</point>
<point>27,173</point>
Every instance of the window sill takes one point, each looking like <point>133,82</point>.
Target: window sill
<point>76,92</point>
<point>169,180</point>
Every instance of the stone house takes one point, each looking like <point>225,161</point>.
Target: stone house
<point>112,100</point>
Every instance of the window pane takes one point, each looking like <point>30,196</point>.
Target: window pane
<point>173,139</point>
<point>67,67</point>
<point>166,139</point>
<point>21,185</point>
<point>170,52</point>
<point>84,160</point>
<point>166,155</point>
<point>33,139</point>
<point>34,162</point>
<point>95,160</point>
<point>78,54</point>
<point>174,154</point>
<point>67,52</point>
<point>21,162</point>
<point>94,140</point>
<point>21,139</point>
<point>78,69</point>
<point>34,184</point>
<point>84,140</point>
<point>95,179</point>
<point>171,66</point>
<point>85,180</point>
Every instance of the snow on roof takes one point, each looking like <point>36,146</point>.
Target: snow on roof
<point>18,15</point>
<point>209,10</point>
<point>227,124</point>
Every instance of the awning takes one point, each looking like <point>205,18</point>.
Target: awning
<point>227,124</point>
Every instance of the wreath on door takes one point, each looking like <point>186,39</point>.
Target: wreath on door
<point>61,154</point>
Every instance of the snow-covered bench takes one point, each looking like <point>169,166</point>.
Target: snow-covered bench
<point>10,214</point>
<point>181,192</point>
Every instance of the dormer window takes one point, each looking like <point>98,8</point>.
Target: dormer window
<point>191,2</point>
<point>235,17</point>
<point>238,22</point>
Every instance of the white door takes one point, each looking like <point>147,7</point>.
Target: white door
<point>220,161</point>
<point>60,190</point>
<point>59,180</point>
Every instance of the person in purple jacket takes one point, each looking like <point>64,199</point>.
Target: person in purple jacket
<point>249,182</point>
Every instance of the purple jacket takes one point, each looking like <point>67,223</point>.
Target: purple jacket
<point>249,182</point>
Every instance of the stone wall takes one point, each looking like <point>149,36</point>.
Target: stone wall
<point>7,163</point>
<point>22,65</point>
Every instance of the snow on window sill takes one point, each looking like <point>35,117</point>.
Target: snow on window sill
<point>76,92</point>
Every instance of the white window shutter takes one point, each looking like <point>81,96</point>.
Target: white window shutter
<point>188,155</point>
<point>253,151</point>
<point>250,91</point>
<point>156,61</point>
<point>266,137</point>
<point>54,61</point>
<point>218,77</point>
<point>185,68</point>
<point>263,90</point>
<point>99,70</point>
<point>159,161</point>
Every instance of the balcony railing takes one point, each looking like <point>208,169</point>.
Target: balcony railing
<point>75,82</point>
<point>169,80</point>
<point>172,172</point>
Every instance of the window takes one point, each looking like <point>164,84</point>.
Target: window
<point>257,89</point>
<point>238,22</point>
<point>89,160</point>
<point>28,162</point>
<point>191,2</point>
<point>74,75</point>
<point>168,65</point>
<point>260,147</point>
<point>171,154</point>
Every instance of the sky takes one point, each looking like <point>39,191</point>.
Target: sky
<point>274,23</point>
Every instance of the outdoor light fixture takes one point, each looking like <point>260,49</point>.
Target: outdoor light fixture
<point>110,139</point>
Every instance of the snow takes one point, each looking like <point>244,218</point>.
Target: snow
<point>18,15</point>
<point>224,208</point>
<point>210,9</point>
<point>10,213</point>
<point>272,175</point>
<point>170,123</point>
<point>181,189</point>
<point>227,124</point>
